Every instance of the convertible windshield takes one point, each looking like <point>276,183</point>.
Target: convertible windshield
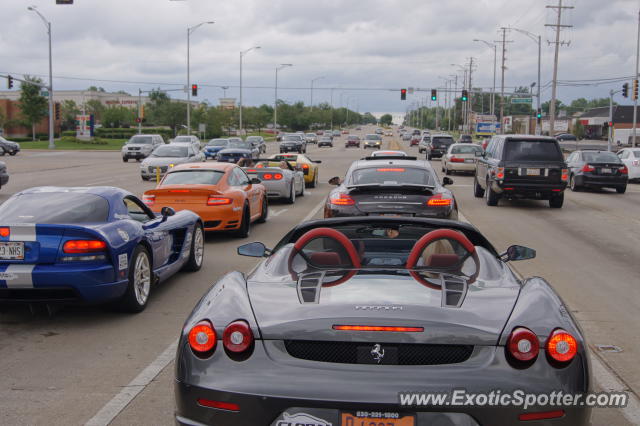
<point>141,140</point>
<point>193,177</point>
<point>392,175</point>
<point>170,151</point>
<point>218,142</point>
<point>55,207</point>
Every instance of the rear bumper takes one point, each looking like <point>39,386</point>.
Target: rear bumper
<point>73,283</point>
<point>608,181</point>
<point>214,218</point>
<point>529,190</point>
<point>461,167</point>
<point>134,154</point>
<point>443,213</point>
<point>4,178</point>
<point>325,144</point>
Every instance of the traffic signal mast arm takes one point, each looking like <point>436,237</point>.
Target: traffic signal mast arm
<point>35,83</point>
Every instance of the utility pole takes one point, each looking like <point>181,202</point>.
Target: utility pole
<point>635,100</point>
<point>504,42</point>
<point>558,25</point>
<point>470,100</point>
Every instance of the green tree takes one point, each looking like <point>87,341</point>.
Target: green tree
<point>118,116</point>
<point>578,130</point>
<point>33,106</point>
<point>69,112</point>
<point>95,108</point>
<point>386,119</point>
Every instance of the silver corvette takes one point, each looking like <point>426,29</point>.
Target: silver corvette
<point>280,178</point>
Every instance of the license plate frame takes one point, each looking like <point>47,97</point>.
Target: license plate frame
<point>387,419</point>
<point>606,171</point>
<point>7,244</point>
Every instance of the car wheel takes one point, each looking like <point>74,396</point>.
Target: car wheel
<point>491,196</point>
<point>2,152</point>
<point>573,185</point>
<point>196,254</point>
<point>292,194</point>
<point>138,160</point>
<point>556,201</point>
<point>136,296</point>
<point>245,225</point>
<point>621,189</point>
<point>478,192</point>
<point>12,153</point>
<point>265,210</point>
<point>125,159</point>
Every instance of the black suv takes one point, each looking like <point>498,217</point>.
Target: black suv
<point>438,146</point>
<point>293,143</point>
<point>521,166</point>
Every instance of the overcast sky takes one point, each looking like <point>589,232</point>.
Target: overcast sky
<point>354,44</point>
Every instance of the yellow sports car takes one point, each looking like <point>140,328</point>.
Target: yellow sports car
<point>309,166</point>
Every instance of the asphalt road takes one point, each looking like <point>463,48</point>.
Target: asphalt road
<point>64,368</point>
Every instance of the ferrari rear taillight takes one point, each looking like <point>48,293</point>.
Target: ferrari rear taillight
<point>202,338</point>
<point>523,345</point>
<point>5,232</point>
<point>624,170</point>
<point>456,160</point>
<point>237,337</point>
<point>84,246</point>
<point>218,201</point>
<point>343,200</point>
<point>562,346</point>
<point>149,199</point>
<point>588,168</point>
<point>219,405</point>
<point>439,201</point>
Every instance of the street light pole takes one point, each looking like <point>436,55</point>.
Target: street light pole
<point>47,24</point>
<point>242,53</point>
<point>275,103</point>
<point>190,31</point>
<point>495,59</point>
<point>312,81</point>
<point>536,39</point>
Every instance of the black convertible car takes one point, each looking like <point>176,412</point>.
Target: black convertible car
<point>391,186</point>
<point>346,315</point>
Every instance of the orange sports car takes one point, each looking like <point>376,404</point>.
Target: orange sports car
<point>221,193</point>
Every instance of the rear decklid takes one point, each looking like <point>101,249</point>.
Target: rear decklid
<point>169,195</point>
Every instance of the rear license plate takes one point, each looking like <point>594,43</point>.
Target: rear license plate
<point>377,419</point>
<point>605,171</point>
<point>533,172</point>
<point>12,251</point>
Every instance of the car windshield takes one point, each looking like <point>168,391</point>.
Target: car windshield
<point>55,207</point>
<point>183,139</point>
<point>466,149</point>
<point>141,140</point>
<point>442,141</point>
<point>353,138</point>
<point>253,139</point>
<point>239,144</point>
<point>311,135</point>
<point>373,138</point>
<point>533,150</point>
<point>218,142</point>
<point>173,151</point>
<point>636,154</point>
<point>193,177</point>
<point>292,138</point>
<point>600,157</point>
<point>392,175</point>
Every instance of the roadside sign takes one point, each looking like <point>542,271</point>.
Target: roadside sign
<point>44,93</point>
<point>520,100</point>
<point>202,127</point>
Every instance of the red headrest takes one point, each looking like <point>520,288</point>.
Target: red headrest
<point>325,259</point>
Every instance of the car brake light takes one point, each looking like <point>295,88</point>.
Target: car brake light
<point>305,166</point>
<point>523,344</point>
<point>438,201</point>
<point>499,172</point>
<point>378,328</point>
<point>5,232</point>
<point>588,168</point>
<point>624,170</point>
<point>343,200</point>
<point>456,160</point>
<point>218,201</point>
<point>562,346</point>
<point>565,175</point>
<point>390,170</point>
<point>149,199</point>
<point>237,337</point>
<point>277,176</point>
<point>220,405</point>
<point>267,176</point>
<point>544,415</point>
<point>202,337</point>
<point>251,171</point>
<point>84,246</point>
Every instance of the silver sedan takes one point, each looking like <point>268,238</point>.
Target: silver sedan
<point>165,157</point>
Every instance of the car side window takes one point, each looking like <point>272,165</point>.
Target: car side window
<point>137,211</point>
<point>490,146</point>
<point>624,155</point>
<point>243,179</point>
<point>233,179</point>
<point>497,151</point>
<point>571,158</point>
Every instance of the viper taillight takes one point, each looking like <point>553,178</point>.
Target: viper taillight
<point>343,200</point>
<point>523,345</point>
<point>202,338</point>
<point>237,337</point>
<point>149,199</point>
<point>562,346</point>
<point>84,246</point>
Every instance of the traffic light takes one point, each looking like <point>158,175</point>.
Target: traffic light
<point>403,94</point>
<point>434,95</point>
<point>56,109</point>
<point>539,114</point>
<point>635,90</point>
<point>142,111</point>
<point>10,82</point>
<point>194,90</point>
<point>465,95</point>
<point>625,90</point>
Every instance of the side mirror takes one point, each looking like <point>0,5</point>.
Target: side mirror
<point>255,181</point>
<point>334,181</point>
<point>447,181</point>
<point>516,252</point>
<point>166,212</point>
<point>256,249</point>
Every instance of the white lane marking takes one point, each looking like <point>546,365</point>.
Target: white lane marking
<point>21,276</point>
<point>313,212</point>
<point>604,375</point>
<point>119,402</point>
<point>273,212</point>
<point>48,154</point>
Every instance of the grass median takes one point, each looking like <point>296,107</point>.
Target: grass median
<point>76,144</point>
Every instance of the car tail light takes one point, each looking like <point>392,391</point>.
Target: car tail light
<point>562,346</point>
<point>220,405</point>
<point>202,337</point>
<point>277,176</point>
<point>543,415</point>
<point>237,337</point>
<point>5,232</point>
<point>149,199</point>
<point>343,200</point>
<point>439,201</point>
<point>84,246</point>
<point>378,328</point>
<point>565,175</point>
<point>498,172</point>
<point>305,166</point>
<point>391,170</point>
<point>218,201</point>
<point>523,344</point>
<point>624,170</point>
<point>588,168</point>
<point>456,160</point>
<point>267,176</point>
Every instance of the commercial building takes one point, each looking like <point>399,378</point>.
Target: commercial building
<point>82,96</point>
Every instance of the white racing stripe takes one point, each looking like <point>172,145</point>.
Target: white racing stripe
<point>18,276</point>
<point>23,232</point>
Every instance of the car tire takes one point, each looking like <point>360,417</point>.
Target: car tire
<point>125,159</point>
<point>573,185</point>
<point>264,211</point>
<point>556,201</point>
<point>2,152</point>
<point>140,275</point>
<point>621,189</point>
<point>491,196</point>
<point>314,182</point>
<point>196,253</point>
<point>138,160</point>
<point>12,153</point>
<point>292,194</point>
<point>245,224</point>
<point>478,192</point>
